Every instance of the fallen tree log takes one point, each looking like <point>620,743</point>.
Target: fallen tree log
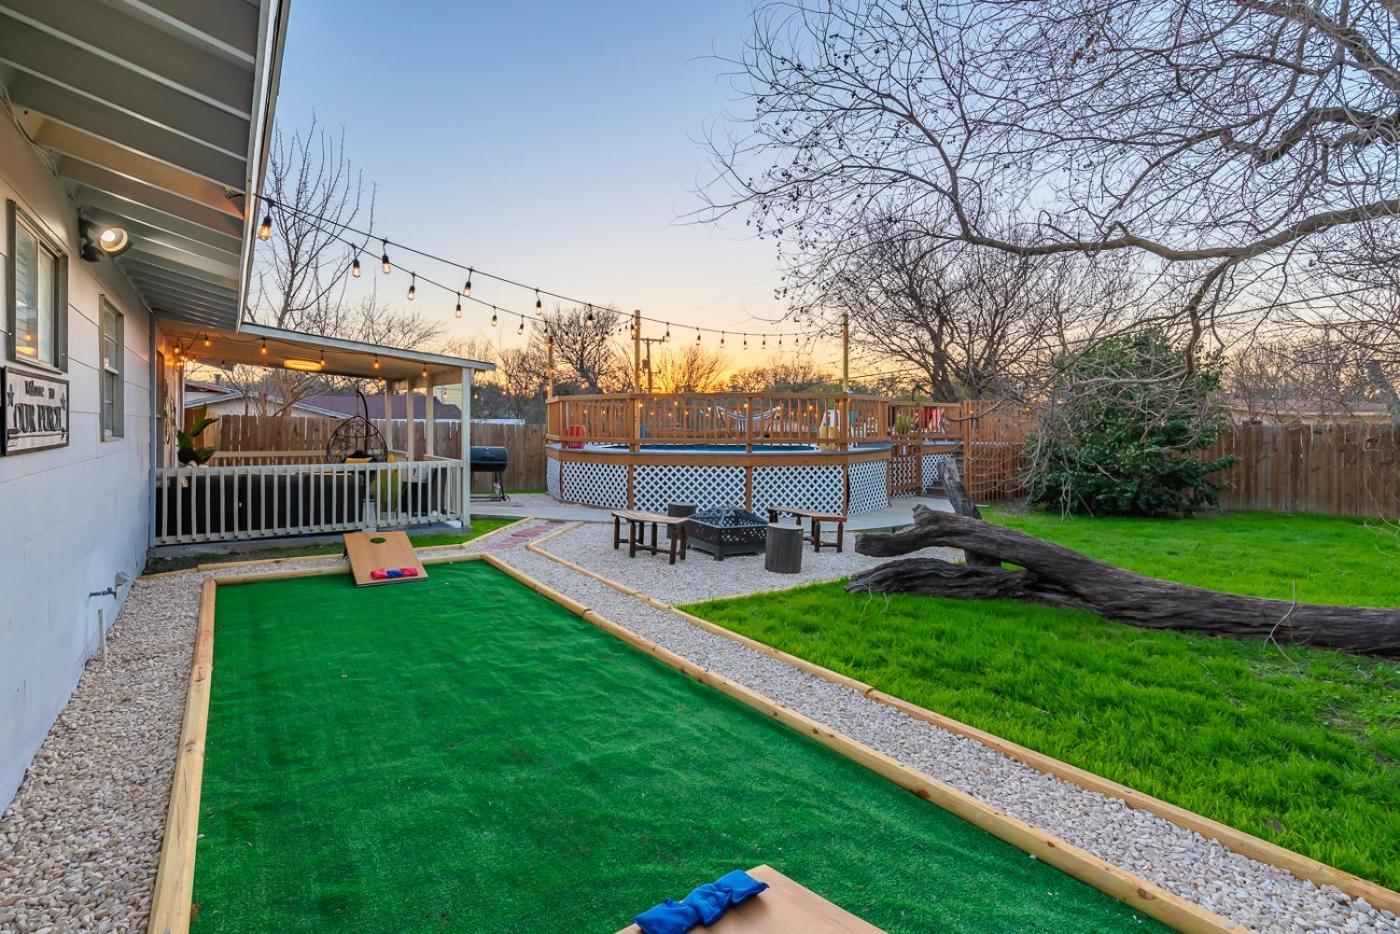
<point>1053,574</point>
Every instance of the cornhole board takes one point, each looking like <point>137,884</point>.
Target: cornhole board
<point>783,908</point>
<point>372,551</point>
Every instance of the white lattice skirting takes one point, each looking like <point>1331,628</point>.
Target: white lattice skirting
<point>705,487</point>
<point>869,487</point>
<point>803,487</point>
<point>657,486</point>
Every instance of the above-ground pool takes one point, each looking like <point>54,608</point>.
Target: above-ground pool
<point>857,480</point>
<point>460,753</point>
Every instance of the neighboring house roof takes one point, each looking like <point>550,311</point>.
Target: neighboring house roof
<point>198,393</point>
<point>348,403</point>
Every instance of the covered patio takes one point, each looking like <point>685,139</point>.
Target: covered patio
<point>361,484</point>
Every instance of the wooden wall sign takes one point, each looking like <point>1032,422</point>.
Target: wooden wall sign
<point>35,413</point>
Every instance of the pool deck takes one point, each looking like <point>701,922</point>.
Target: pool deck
<point>540,506</point>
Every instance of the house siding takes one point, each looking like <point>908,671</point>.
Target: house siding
<point>70,517</point>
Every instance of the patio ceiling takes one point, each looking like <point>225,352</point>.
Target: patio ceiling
<point>155,114</point>
<point>338,357</point>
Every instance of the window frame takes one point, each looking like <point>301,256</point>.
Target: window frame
<point>106,370</point>
<point>15,217</point>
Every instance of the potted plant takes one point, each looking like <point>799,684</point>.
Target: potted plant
<point>190,453</point>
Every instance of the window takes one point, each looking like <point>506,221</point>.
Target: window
<point>36,302</point>
<point>112,371</point>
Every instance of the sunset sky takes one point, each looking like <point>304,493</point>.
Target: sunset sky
<point>557,143</point>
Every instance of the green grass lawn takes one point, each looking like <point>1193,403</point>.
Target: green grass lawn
<point>1299,746</point>
<point>462,754</point>
<point>480,526</point>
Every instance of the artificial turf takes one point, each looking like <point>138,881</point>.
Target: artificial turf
<point>462,754</point>
<point>1296,745</point>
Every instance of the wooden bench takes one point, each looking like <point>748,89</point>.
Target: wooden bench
<point>637,522</point>
<point>785,907</point>
<point>775,513</point>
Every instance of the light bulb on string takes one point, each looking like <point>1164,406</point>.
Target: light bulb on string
<point>697,337</point>
<point>721,338</point>
<point>458,312</point>
<point>521,329</point>
<point>413,286</point>
<point>207,341</point>
<point>467,289</point>
<point>539,305</point>
<point>265,228</point>
<point>746,342</point>
<point>376,361</point>
<point>764,343</point>
<point>384,259</point>
<point>263,349</point>
<point>355,267</point>
<point>589,318</point>
<point>493,316</point>
<point>668,332</point>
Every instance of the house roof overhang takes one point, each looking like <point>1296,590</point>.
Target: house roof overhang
<point>332,356</point>
<point>156,115</point>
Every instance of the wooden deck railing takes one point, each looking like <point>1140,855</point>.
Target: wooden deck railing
<point>749,419</point>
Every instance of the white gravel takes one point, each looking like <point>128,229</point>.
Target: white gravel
<point>699,577</point>
<point>78,845</point>
<point>1259,896</point>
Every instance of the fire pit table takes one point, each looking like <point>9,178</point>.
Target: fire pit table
<point>727,531</point>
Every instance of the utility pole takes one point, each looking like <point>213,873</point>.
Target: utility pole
<point>646,363</point>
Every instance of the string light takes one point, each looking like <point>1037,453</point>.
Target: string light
<point>746,342</point>
<point>521,329</point>
<point>338,230</point>
<point>355,267</point>
<point>265,228</point>
<point>721,338</point>
<point>263,349</point>
<point>668,332</point>
<point>493,316</point>
<point>459,308</point>
<point>413,286</point>
<point>697,337</point>
<point>589,319</point>
<point>424,373</point>
<point>765,341</point>
<point>376,361</point>
<point>207,341</point>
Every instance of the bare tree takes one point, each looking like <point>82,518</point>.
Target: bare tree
<point>779,374</point>
<point>692,368</point>
<point>971,321</point>
<point>1227,147</point>
<point>587,354</point>
<point>315,194</point>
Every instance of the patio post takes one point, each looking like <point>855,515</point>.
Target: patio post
<point>389,414</point>
<point>430,419</point>
<point>410,417</point>
<point>466,436</point>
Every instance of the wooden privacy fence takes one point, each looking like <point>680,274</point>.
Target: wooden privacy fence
<point>1343,468</point>
<point>524,444</point>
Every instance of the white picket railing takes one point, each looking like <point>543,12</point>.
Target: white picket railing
<point>216,504</point>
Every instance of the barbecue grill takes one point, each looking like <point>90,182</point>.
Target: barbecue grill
<point>491,460</point>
